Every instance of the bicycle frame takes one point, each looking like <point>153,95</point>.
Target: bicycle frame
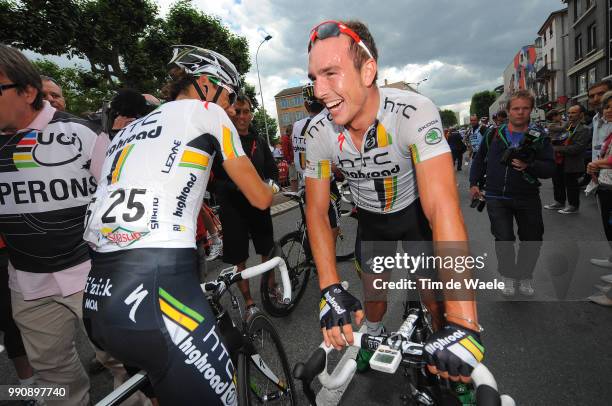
<point>215,290</point>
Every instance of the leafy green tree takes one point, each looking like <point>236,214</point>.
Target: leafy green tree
<point>481,102</point>
<point>82,91</point>
<point>125,42</point>
<point>449,118</point>
<point>260,128</point>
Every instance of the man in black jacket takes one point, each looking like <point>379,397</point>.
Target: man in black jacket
<point>239,220</point>
<point>513,157</point>
<point>569,146</point>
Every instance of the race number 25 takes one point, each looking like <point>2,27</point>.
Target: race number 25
<point>133,209</point>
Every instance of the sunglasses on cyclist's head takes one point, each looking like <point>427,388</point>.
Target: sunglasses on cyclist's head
<point>232,94</point>
<point>328,29</point>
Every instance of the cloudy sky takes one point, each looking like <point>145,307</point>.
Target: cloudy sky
<point>461,47</point>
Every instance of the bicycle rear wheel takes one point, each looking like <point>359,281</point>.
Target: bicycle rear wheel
<point>299,265</point>
<point>264,377</point>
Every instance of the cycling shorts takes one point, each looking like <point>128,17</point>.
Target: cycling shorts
<point>240,222</point>
<point>378,236</point>
<point>145,307</point>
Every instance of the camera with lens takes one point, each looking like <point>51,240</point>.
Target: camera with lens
<point>523,153</point>
<point>478,203</point>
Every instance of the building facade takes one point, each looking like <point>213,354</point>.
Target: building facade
<point>552,46</point>
<point>590,43</point>
<point>289,107</point>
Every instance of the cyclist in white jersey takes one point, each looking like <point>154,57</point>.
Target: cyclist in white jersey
<point>143,301</point>
<point>389,144</point>
<point>298,142</point>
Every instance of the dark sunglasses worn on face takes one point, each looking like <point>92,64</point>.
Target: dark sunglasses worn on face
<point>328,29</point>
<point>7,86</point>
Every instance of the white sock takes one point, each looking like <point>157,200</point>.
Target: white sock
<point>374,327</point>
<point>28,381</point>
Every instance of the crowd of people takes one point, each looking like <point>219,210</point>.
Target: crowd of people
<point>99,213</point>
<point>566,148</point>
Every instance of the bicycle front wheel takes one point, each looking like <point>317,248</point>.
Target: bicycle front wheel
<point>299,265</point>
<point>265,376</point>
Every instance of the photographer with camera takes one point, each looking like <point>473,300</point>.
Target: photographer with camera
<point>513,157</point>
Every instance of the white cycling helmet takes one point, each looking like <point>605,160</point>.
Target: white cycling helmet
<point>199,61</point>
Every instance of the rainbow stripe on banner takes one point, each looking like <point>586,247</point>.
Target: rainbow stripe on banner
<point>22,157</point>
<point>193,158</point>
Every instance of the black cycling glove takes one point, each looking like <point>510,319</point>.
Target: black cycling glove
<point>336,306</point>
<point>454,349</point>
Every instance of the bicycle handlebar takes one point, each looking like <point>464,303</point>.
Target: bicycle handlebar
<point>486,387</point>
<point>231,275</point>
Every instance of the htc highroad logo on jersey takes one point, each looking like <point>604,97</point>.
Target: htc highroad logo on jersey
<point>181,200</point>
<point>170,160</point>
<point>398,107</point>
<point>316,126</point>
<point>38,191</point>
<point>143,135</point>
<point>372,174</point>
<point>442,343</point>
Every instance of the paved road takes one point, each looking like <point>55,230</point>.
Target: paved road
<point>542,353</point>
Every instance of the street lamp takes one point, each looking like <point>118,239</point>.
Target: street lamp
<point>267,38</point>
<point>417,83</point>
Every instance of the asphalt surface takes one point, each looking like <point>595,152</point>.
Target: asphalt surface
<point>542,352</point>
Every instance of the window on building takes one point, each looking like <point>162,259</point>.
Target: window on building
<point>544,38</point>
<point>552,58</point>
<point>578,47</point>
<point>577,9</point>
<point>546,61</point>
<point>592,37</point>
<point>582,83</point>
<point>592,76</point>
<point>284,103</point>
<point>550,31</point>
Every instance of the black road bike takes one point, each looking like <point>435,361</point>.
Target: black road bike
<point>295,250</point>
<point>262,369</point>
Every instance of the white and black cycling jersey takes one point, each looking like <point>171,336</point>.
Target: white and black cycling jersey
<point>298,143</point>
<point>155,174</point>
<point>45,186</point>
<point>381,175</point>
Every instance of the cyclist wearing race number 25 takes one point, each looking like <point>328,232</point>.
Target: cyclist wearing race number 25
<point>143,301</point>
<point>389,144</point>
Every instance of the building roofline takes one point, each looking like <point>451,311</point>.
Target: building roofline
<point>289,91</point>
<point>550,17</point>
